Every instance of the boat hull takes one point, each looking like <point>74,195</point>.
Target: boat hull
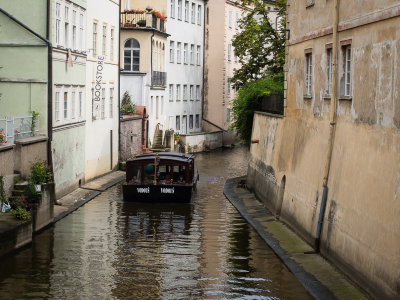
<point>157,193</point>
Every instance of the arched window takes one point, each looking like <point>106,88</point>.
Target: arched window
<point>131,55</point>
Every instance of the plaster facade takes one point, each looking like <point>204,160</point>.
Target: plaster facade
<point>102,82</point>
<point>361,228</point>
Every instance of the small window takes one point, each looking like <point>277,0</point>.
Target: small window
<point>347,70</point>
<point>171,51</point>
<point>197,121</point>
<point>229,52</point>
<point>187,11</point>
<point>191,122</point>
<point>199,8</point>
<point>172,13</point>
<point>193,13</point>
<point>329,71</point>
<point>171,92</point>
<point>178,92</point>
<point>178,52</point>
<point>230,19</point>
<point>131,55</point>
<point>178,123</point>
<point>308,74</point>
<point>179,9</point>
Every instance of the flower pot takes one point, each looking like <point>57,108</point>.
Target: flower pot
<point>38,187</point>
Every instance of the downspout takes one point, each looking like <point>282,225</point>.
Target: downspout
<point>204,57</point>
<point>49,95</point>
<point>332,126</point>
<point>151,59</point>
<point>119,82</point>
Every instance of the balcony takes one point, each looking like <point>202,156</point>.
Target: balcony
<point>159,79</point>
<point>142,19</point>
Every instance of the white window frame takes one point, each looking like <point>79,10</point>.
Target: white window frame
<point>329,71</point>
<point>172,13</point>
<point>308,74</point>
<point>111,103</point>
<point>65,102</point>
<point>199,8</point>
<point>74,33</point>
<point>58,23</point>
<point>57,107</point>
<point>73,104</point>
<point>185,53</point>
<point>236,20</point>
<point>193,13</point>
<point>184,97</point>
<point>80,104</point>
<point>180,10</point>
<point>104,40</point>
<point>198,55</point>
<point>103,104</point>
<point>112,38</point>
<point>66,27</point>
<point>230,19</point>
<point>347,70</point>
<point>94,36</point>
<point>228,86</point>
<point>178,122</point>
<point>81,32</point>
<point>192,54</point>
<point>178,52</point>
<point>191,121</point>
<point>197,121</point>
<point>178,92</point>
<point>229,52</point>
<point>191,92</point>
<point>171,51</point>
<point>198,93</point>
<point>186,11</point>
<point>171,92</point>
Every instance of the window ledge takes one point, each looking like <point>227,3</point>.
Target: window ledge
<point>307,97</point>
<point>327,97</point>
<point>349,98</point>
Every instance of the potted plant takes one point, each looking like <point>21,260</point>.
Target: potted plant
<point>127,107</point>
<point>177,136</point>
<point>39,174</point>
<point>141,23</point>
<point>2,137</point>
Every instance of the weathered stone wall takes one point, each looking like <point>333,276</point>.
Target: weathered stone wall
<point>361,229</point>
<point>199,142</point>
<point>7,166</point>
<point>130,137</point>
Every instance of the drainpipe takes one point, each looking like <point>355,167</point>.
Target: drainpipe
<point>332,128</point>
<point>119,82</point>
<point>204,56</point>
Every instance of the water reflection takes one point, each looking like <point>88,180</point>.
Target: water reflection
<point>110,249</point>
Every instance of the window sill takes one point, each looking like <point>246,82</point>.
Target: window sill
<point>348,98</point>
<point>307,97</point>
<point>327,97</point>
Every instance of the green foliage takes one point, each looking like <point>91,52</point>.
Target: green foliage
<point>260,48</point>
<point>3,197</point>
<point>126,104</point>
<point>34,119</point>
<point>40,173</point>
<point>21,214</point>
<point>141,23</point>
<point>248,100</point>
<point>177,135</point>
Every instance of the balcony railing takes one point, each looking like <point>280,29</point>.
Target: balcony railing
<point>159,78</point>
<point>15,128</point>
<point>141,20</point>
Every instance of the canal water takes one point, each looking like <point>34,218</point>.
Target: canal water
<point>109,249</point>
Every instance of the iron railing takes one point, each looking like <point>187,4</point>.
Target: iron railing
<point>139,20</point>
<point>15,128</point>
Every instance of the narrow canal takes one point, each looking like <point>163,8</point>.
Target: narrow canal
<point>109,249</point>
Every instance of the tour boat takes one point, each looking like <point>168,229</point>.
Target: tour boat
<point>160,177</point>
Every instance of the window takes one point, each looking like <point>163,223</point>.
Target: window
<point>80,104</point>
<point>81,37</point>
<point>237,21</point>
<point>58,22</point>
<point>198,56</point>
<point>157,105</point>
<point>230,19</point>
<point>66,27</point>
<point>74,29</point>
<point>178,123</point>
<point>171,92</point>
<point>347,70</point>
<point>228,86</point>
<point>185,53</point>
<point>57,106</point>
<point>235,57</point>
<point>178,52</point>
<point>192,54</point>
<point>171,51</point>
<point>308,74</point>
<point>131,55</point>
<point>94,39</point>
<point>191,121</point>
<point>65,105</point>
<point>229,52</point>
<point>184,92</point>
<point>198,92</point>
<point>178,92</point>
<point>112,44</point>
<point>104,40</point>
<point>103,103</point>
<point>329,71</point>
<point>228,115</point>
<point>111,103</point>
<point>193,13</point>
<point>191,92</point>
<point>199,14</point>
<point>179,9</point>
<point>173,9</point>
<point>197,121</point>
<point>187,11</point>
<point>73,105</point>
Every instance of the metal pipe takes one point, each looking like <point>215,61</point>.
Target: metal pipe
<point>119,83</point>
<point>332,123</point>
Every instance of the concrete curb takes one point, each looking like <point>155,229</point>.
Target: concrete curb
<point>312,285</point>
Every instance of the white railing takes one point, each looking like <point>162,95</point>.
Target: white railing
<point>16,128</point>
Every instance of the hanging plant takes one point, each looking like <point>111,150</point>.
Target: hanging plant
<point>158,15</point>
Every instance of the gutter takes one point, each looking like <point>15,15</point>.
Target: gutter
<point>49,80</point>
<point>119,82</point>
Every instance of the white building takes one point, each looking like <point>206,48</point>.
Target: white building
<point>102,80</point>
<point>185,48</point>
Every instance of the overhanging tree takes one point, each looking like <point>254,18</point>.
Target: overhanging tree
<point>260,47</point>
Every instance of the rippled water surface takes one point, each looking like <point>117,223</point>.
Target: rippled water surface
<point>109,249</point>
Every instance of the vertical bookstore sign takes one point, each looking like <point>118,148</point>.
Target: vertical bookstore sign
<point>98,87</point>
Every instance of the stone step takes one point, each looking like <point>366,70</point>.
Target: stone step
<point>21,185</point>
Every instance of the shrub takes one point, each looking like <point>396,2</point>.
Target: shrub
<point>40,173</point>
<point>21,213</point>
<point>126,104</point>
